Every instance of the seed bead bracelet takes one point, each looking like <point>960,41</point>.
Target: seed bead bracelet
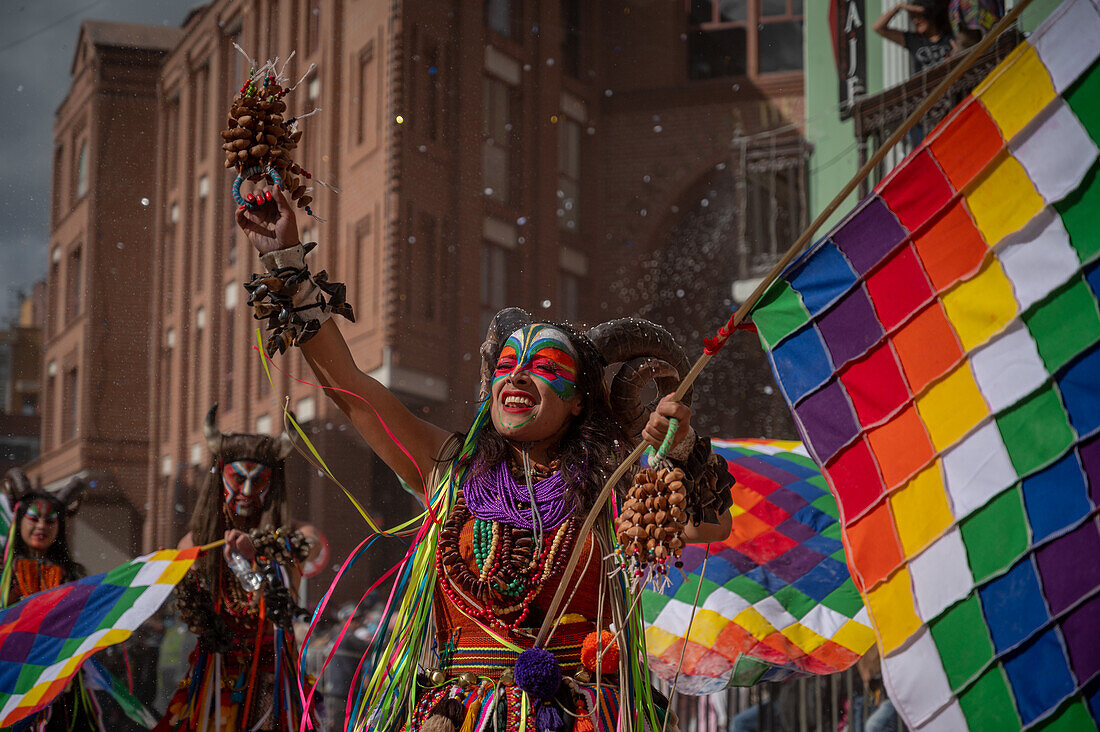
<point>294,302</point>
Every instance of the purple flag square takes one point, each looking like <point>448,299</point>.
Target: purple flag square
<point>827,421</point>
<point>794,563</point>
<point>1081,629</point>
<point>788,500</point>
<point>869,235</point>
<point>62,617</point>
<point>1066,578</point>
<point>1090,459</point>
<point>850,328</point>
<point>796,530</point>
<point>764,468</point>
<point>16,646</point>
<point>737,560</point>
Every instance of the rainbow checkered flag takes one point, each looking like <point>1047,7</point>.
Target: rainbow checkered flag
<point>777,600</point>
<point>46,637</point>
<point>939,351</point>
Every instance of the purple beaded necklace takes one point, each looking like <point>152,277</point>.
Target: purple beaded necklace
<point>495,496</point>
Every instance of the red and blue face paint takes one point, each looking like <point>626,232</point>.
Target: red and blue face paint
<point>244,486</point>
<point>544,352</point>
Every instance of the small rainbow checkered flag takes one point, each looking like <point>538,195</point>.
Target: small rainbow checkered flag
<point>940,351</point>
<point>46,637</point>
<point>777,600</point>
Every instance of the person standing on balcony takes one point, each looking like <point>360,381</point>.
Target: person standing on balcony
<point>930,40</point>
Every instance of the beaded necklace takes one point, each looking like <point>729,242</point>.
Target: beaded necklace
<point>496,496</point>
<point>35,575</point>
<point>509,566</point>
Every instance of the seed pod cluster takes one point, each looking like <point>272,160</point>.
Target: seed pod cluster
<point>651,523</point>
<point>258,136</point>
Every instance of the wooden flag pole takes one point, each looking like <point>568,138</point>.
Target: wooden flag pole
<point>742,312</point>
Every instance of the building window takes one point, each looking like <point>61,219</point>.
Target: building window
<point>571,37</point>
<point>499,134</point>
<point>432,96</point>
<point>228,357</point>
<point>202,110</point>
<point>502,17</point>
<point>569,297</point>
<point>426,243</point>
<point>58,177</point>
<point>74,279</point>
<point>569,172</point>
<point>495,292</point>
<point>68,416</point>
<point>167,354</point>
<point>52,325</point>
<point>172,126</point>
<point>720,35</point>
<point>82,170</point>
<point>313,26</point>
<point>368,98</point>
<point>49,416</point>
<point>775,208</point>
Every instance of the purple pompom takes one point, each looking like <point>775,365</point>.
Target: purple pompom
<point>538,673</point>
<point>549,719</point>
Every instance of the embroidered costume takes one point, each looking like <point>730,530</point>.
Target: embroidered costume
<point>242,671</point>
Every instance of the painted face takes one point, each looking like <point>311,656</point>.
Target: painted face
<point>544,352</point>
<point>39,525</point>
<point>244,486</point>
<point>534,392</point>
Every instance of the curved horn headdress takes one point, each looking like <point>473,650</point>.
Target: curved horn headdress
<point>71,494</point>
<point>647,352</point>
<point>211,432</point>
<point>17,485</point>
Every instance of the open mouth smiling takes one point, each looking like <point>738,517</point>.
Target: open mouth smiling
<point>516,401</point>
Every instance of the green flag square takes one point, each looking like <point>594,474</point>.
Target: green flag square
<point>686,591</point>
<point>1064,324</point>
<point>1083,98</point>
<point>653,603</point>
<point>964,644</point>
<point>796,603</point>
<point>844,599</point>
<point>1035,430</point>
<point>28,675</point>
<point>747,589</point>
<point>1078,211</point>
<point>996,535</point>
<point>1071,718</point>
<point>988,703</point>
<point>778,313</point>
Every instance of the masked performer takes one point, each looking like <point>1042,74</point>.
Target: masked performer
<point>38,559</point>
<point>478,641</point>
<point>239,602</point>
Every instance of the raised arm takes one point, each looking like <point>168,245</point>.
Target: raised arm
<point>272,227</point>
<point>882,25</point>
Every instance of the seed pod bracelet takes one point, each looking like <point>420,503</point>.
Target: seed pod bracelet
<point>294,302</point>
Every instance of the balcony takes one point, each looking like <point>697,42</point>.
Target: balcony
<point>876,116</point>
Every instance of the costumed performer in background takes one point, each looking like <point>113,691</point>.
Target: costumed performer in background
<point>241,602</point>
<point>37,559</point>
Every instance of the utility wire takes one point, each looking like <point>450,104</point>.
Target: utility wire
<point>43,29</point>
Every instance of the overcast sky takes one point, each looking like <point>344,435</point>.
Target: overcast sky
<point>36,51</point>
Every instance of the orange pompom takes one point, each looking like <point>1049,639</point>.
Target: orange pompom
<point>609,647</point>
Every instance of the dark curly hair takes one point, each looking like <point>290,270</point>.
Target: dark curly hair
<point>594,443</point>
<point>58,552</point>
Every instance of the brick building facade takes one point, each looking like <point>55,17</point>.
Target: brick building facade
<point>549,155</point>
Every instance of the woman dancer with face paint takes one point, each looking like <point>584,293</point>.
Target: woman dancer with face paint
<point>40,560</point>
<point>242,671</point>
<point>481,643</point>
